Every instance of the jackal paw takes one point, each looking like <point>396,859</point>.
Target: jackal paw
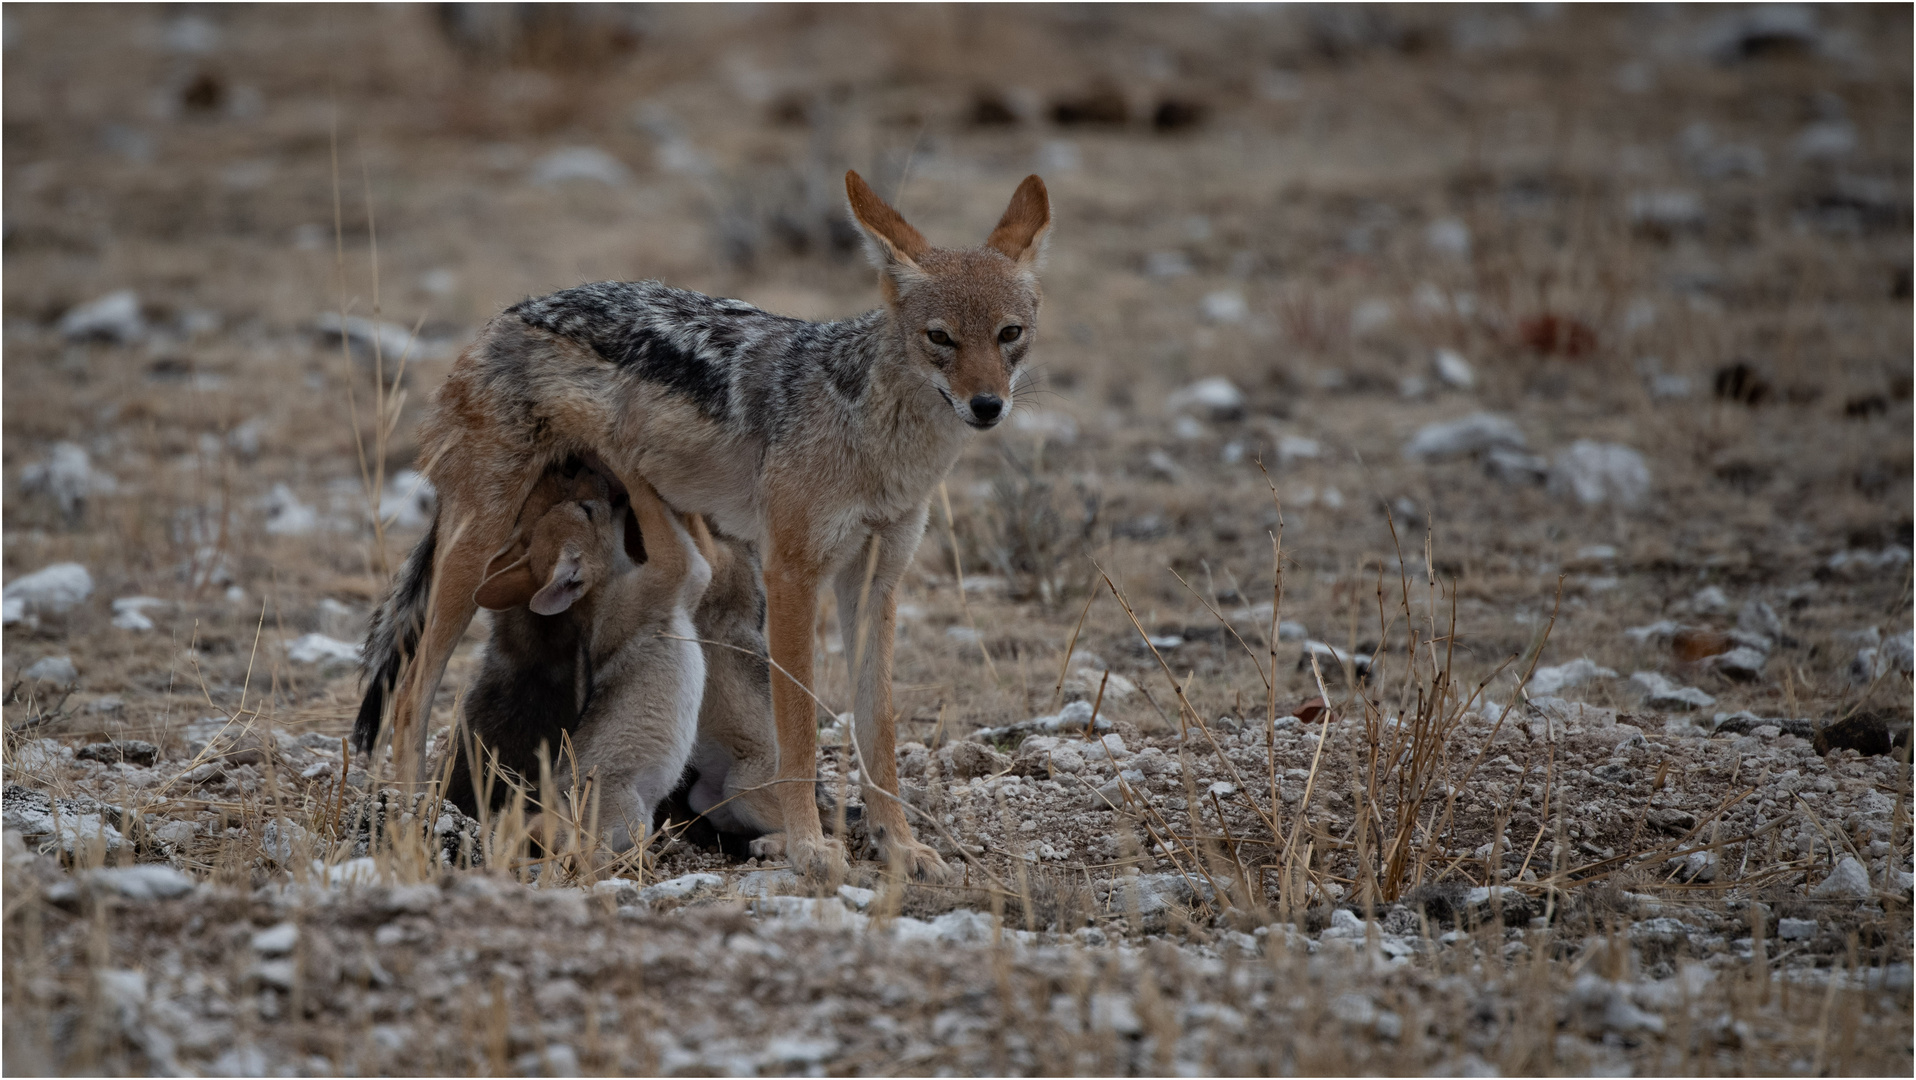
<point>918,861</point>
<point>817,859</point>
<point>770,847</point>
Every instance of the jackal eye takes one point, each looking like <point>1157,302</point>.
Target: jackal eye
<point>1010,334</point>
<point>938,337</point>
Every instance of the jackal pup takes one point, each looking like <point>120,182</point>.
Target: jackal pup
<point>589,642</point>
<point>823,442</point>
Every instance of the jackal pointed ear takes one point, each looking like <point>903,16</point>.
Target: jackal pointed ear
<point>507,588</point>
<point>890,239</point>
<point>1021,233</point>
<point>563,588</point>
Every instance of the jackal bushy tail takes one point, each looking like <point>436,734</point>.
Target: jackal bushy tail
<point>393,635</point>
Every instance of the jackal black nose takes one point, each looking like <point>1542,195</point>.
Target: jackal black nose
<point>986,408</point>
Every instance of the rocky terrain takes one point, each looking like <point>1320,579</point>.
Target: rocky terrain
<point>1447,608</point>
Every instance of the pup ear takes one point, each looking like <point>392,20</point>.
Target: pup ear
<point>563,588</point>
<point>890,240</point>
<point>505,589</point>
<point>1021,233</point>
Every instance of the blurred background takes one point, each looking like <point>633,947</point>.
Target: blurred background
<point>1651,266</point>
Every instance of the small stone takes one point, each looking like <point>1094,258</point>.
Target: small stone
<point>1849,881</point>
<point>969,760</point>
<point>1742,663</point>
<point>120,751</point>
<point>322,650</point>
<point>1448,236</point>
<point>54,670</point>
<point>687,885</point>
<point>1453,370</point>
<point>1515,466</point>
<point>149,881</point>
<point>1472,435</point>
<point>587,163</point>
<point>364,335</point>
<point>1668,209</point>
<point>49,591</point>
<point>106,704</point>
<point>1225,306</point>
<point>1550,680</point>
<point>68,477</point>
<point>1795,929</point>
<point>1601,473</point>
<point>1660,692</point>
<point>114,317</point>
<point>1215,398</point>
<point>208,773</point>
<point>276,940</point>
<point>130,612</point>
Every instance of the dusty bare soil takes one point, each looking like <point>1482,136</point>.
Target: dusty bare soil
<point>1613,775</point>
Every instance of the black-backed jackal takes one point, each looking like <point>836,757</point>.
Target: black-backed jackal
<point>822,441</point>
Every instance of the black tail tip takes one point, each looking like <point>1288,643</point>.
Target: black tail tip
<point>366,725</point>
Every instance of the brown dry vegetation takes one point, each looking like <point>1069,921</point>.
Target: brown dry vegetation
<point>1586,204</point>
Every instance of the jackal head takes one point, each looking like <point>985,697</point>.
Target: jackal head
<point>969,315</point>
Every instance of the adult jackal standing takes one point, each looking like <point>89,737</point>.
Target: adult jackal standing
<point>824,441</point>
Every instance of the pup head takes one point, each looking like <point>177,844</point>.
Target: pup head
<point>968,316</point>
<point>567,551</point>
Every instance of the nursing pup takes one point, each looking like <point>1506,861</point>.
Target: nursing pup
<point>590,642</point>
<point>822,442</point>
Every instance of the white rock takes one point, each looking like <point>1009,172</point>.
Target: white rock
<point>68,477</point>
<point>129,612</point>
<point>1710,600</point>
<point>393,340</point>
<point>1371,316</point>
<point>1225,306</point>
<point>320,649</point>
<point>1825,140</point>
<point>1297,448</point>
<point>1453,370</point>
<point>149,881</point>
<point>114,317</point>
<point>1597,473</point>
<point>1473,434</point>
<point>1667,209</point>
<point>1344,924</point>
<point>1892,656</point>
<point>1849,881</point>
<point>1742,663</point>
<point>1167,264</point>
<point>57,670</point>
<point>588,163</point>
<point>276,940</point>
<point>1795,929</point>
<point>1890,558</point>
<point>856,898</point>
<point>1550,680</point>
<point>1448,236</point>
<point>962,927</point>
<point>286,515</point>
<point>1661,630</point>
<point>1216,397</point>
<point>1515,466</point>
<point>49,591</point>
<point>1661,692</point>
<point>681,887</point>
<point>767,883</point>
